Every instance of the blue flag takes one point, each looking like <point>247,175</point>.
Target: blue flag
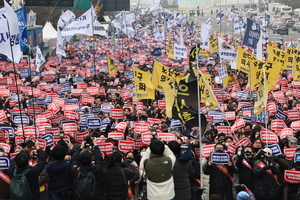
<point>21,13</point>
<point>191,28</point>
<point>252,34</point>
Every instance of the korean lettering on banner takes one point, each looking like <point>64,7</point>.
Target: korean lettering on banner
<point>42,144</point>
<point>116,135</point>
<point>24,72</point>
<point>126,145</point>
<point>231,149</point>
<point>244,142</point>
<point>106,107</point>
<point>247,107</point>
<point>106,148</point>
<point>4,163</point>
<point>289,153</point>
<point>116,113</point>
<point>167,137</point>
<point>222,72</point>
<point>261,119</point>
<point>289,57</point>
<point>79,137</point>
<point>286,132</point>
<point>146,138</point>
<point>276,151</point>
<point>230,115</point>
<point>243,59</point>
<point>296,156</point>
<point>95,109</point>
<point>207,149</point>
<point>83,118</point>
<point>291,176</point>
<point>275,54</point>
<point>220,158</point>
<point>93,123</point>
<point>179,51</point>
<point>82,127</point>
<point>277,124</point>
<point>161,104</point>
<point>101,140</point>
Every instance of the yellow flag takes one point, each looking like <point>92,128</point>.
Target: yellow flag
<point>143,86</point>
<point>289,56</point>
<point>213,44</point>
<point>206,92</point>
<point>271,44</point>
<point>255,75</point>
<point>112,67</point>
<point>276,55</point>
<point>230,79</point>
<point>243,58</point>
<point>272,70</point>
<point>169,92</point>
<point>170,49</point>
<point>296,67</point>
<point>262,96</point>
<point>162,74</point>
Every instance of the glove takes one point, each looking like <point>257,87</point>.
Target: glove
<point>266,167</point>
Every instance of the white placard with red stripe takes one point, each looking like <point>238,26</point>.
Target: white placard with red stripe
<point>116,113</point>
<point>292,176</point>
<point>244,142</point>
<point>140,127</point>
<point>207,149</point>
<point>167,137</point>
<point>106,148</point>
<point>161,104</point>
<point>6,147</point>
<point>230,115</point>
<point>289,153</point>
<point>42,144</point>
<point>146,138</point>
<point>231,149</point>
<point>126,145</point>
<point>116,135</point>
<point>80,136</point>
<point>224,129</point>
<point>70,127</point>
<point>286,132</point>
<point>277,124</point>
<point>268,137</point>
<point>293,114</point>
<point>295,125</point>
<point>239,123</point>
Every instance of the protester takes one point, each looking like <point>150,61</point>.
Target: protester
<point>21,165</point>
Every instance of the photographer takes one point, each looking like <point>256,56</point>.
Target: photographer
<point>82,162</point>
<point>245,162</point>
<point>265,170</point>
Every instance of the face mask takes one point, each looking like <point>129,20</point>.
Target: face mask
<point>1,153</point>
<point>129,159</point>
<point>247,153</point>
<point>239,153</point>
<point>142,153</point>
<point>219,151</point>
<point>228,143</point>
<point>221,141</point>
<point>34,156</point>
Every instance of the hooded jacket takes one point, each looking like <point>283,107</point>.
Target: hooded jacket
<point>60,178</point>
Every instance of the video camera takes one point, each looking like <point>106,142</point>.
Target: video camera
<point>88,142</point>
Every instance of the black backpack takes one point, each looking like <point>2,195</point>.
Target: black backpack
<point>85,186</point>
<point>19,186</point>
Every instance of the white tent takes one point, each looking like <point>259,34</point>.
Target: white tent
<point>49,32</point>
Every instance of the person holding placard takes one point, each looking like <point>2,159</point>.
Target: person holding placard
<point>220,180</point>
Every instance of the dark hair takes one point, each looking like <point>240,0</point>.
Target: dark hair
<point>85,157</point>
<point>115,158</point>
<point>22,159</point>
<point>228,137</point>
<point>174,147</point>
<point>214,197</point>
<point>59,152</point>
<point>157,147</point>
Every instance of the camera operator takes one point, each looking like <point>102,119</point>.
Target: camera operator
<point>265,170</point>
<point>82,161</point>
<point>245,162</point>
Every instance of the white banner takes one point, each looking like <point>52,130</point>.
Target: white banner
<point>179,51</point>
<point>82,25</point>
<point>226,51</point>
<point>10,46</point>
<point>205,34</point>
<point>66,18</point>
<point>39,58</point>
<point>60,43</point>
<point>222,72</point>
<point>31,18</point>
<point>160,34</point>
<point>238,25</point>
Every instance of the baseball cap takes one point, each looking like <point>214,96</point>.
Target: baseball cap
<point>267,150</point>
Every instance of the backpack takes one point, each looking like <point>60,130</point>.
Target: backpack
<point>19,186</point>
<point>85,185</point>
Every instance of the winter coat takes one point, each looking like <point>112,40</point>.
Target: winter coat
<point>181,171</point>
<point>246,175</point>
<point>266,187</point>
<point>220,183</point>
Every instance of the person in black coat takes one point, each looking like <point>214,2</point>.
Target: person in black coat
<point>219,182</point>
<point>181,171</point>
<point>81,160</point>
<point>245,163</point>
<point>60,177</point>
<point>265,170</point>
<point>21,164</point>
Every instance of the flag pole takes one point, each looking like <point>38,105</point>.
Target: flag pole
<point>16,82</point>
<point>199,114</point>
<point>32,97</point>
<point>265,102</point>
